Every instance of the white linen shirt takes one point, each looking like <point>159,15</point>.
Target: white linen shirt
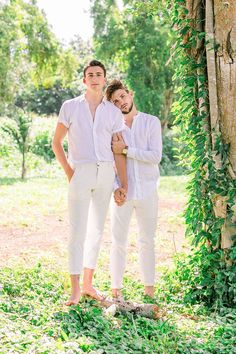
<point>144,154</point>
<point>89,140</point>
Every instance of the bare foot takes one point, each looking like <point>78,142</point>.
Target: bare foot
<point>117,294</point>
<point>149,291</point>
<point>73,300</point>
<point>93,293</point>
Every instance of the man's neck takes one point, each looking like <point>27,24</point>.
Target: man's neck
<point>128,118</point>
<point>94,98</point>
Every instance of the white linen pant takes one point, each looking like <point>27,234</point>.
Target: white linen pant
<point>88,200</point>
<point>146,215</point>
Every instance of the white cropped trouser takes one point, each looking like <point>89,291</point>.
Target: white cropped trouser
<point>146,215</point>
<point>88,200</point>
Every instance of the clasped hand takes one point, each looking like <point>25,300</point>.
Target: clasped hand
<point>120,196</point>
<point>117,144</point>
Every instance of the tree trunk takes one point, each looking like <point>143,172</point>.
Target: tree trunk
<point>221,66</point>
<point>23,167</point>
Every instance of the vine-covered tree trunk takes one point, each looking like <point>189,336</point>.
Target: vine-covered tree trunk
<point>225,37</point>
<point>206,112</point>
<point>221,66</point>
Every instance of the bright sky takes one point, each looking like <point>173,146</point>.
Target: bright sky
<point>68,17</point>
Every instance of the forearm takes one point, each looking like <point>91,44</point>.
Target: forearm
<point>61,156</point>
<point>153,157</point>
<point>120,161</point>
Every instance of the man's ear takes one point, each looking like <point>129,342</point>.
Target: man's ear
<point>131,93</point>
<point>84,80</point>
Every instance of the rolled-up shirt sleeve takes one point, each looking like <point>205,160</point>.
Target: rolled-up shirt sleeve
<point>154,153</point>
<point>64,117</point>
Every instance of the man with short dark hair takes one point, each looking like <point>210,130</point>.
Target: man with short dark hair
<point>90,121</point>
<point>141,143</point>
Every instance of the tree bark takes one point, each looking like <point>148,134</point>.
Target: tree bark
<point>225,38</point>
<point>224,13</point>
<point>23,167</point>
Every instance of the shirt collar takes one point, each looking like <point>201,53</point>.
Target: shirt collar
<point>82,98</point>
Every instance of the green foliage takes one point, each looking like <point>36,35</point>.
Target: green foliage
<point>137,42</point>
<point>46,98</point>
<point>18,129</point>
<point>42,146</point>
<point>171,164</point>
<point>33,319</point>
<point>28,48</point>
<point>46,101</point>
<point>211,269</point>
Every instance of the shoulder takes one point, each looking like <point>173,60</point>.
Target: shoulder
<point>149,118</point>
<point>73,101</point>
<point>111,107</point>
<point>113,112</point>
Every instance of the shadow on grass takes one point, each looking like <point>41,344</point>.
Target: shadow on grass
<point>8,181</point>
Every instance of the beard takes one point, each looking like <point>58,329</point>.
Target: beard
<point>129,110</point>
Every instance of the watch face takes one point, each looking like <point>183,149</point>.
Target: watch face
<point>125,151</point>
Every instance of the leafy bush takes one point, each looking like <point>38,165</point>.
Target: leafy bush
<point>42,100</point>
<point>170,163</point>
<point>18,127</point>
<point>42,146</point>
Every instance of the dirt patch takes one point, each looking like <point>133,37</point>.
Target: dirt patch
<point>48,237</point>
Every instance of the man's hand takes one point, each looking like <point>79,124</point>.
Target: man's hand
<point>120,196</point>
<point>117,144</point>
<point>69,172</point>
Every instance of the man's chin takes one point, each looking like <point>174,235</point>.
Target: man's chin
<point>125,112</point>
<point>128,110</point>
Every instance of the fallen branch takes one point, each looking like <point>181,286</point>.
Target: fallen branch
<point>113,306</point>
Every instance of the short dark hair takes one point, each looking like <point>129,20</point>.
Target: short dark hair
<point>114,86</point>
<point>95,63</point>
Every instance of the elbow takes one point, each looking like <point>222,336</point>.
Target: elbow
<point>54,146</point>
<point>157,158</point>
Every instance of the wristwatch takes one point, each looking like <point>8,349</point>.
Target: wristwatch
<point>125,150</point>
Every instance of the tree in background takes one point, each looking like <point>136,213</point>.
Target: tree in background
<point>28,48</point>
<point>18,128</point>
<point>33,64</point>
<point>47,98</point>
<point>137,43</point>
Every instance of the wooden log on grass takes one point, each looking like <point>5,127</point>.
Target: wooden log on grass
<point>113,306</point>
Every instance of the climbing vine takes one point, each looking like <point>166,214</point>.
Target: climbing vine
<point>211,269</point>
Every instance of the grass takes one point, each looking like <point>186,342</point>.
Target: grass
<point>34,320</point>
<point>23,201</point>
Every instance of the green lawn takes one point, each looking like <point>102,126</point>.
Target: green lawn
<point>33,318</point>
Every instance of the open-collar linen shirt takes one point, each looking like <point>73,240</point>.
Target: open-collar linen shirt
<point>89,140</point>
<point>144,140</point>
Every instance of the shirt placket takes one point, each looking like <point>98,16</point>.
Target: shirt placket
<point>137,189</point>
<point>95,137</point>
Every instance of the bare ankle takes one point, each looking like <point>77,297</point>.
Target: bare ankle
<point>116,292</point>
<point>149,291</point>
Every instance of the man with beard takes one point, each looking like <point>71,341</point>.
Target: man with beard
<point>90,121</point>
<point>141,143</point>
